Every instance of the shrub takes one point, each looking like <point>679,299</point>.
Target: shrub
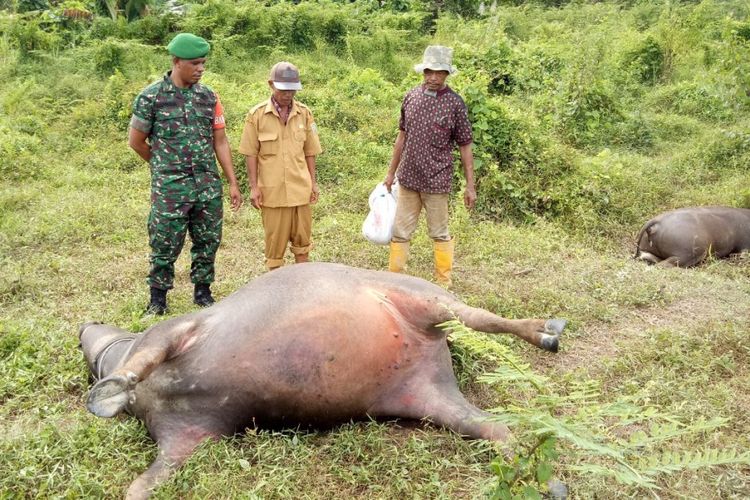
<point>586,110</point>
<point>119,95</point>
<point>692,99</point>
<point>301,29</point>
<point>743,31</point>
<point>646,61</point>
<point>515,167</point>
<point>380,50</point>
<point>32,5</point>
<point>154,29</point>
<point>210,19</point>
<point>29,38</point>
<point>538,69</point>
<point>335,29</point>
<point>725,149</point>
<point>498,63</point>
<point>634,132</point>
<point>108,57</point>
<point>104,27</point>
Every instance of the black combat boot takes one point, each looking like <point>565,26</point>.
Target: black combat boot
<point>158,303</point>
<point>202,295</point>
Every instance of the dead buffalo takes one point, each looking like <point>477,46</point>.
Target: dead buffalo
<point>687,236</point>
<point>311,344</point>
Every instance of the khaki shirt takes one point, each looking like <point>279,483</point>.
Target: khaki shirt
<point>283,177</point>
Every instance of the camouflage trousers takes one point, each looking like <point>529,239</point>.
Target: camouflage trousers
<point>166,231</point>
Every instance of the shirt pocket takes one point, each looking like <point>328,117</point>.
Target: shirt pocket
<point>442,130</point>
<point>300,133</point>
<point>169,123</point>
<point>269,143</point>
<point>205,121</point>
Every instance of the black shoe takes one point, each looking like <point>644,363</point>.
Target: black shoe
<point>202,295</point>
<point>158,303</point>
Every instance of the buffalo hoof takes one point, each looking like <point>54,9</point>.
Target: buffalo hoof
<point>553,328</point>
<point>111,395</point>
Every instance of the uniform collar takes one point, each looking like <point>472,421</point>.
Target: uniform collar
<point>270,108</point>
<point>169,86</point>
<point>439,93</point>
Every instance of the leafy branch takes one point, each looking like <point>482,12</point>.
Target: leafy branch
<point>622,440</point>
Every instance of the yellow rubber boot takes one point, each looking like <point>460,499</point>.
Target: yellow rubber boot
<point>444,260</point>
<point>398,257</point>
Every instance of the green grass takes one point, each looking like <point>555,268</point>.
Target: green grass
<point>73,248</point>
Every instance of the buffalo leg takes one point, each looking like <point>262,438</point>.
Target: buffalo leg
<point>450,409</point>
<point>670,262</point>
<point>541,333</point>
<point>166,340</point>
<point>174,450</point>
<point>433,395</point>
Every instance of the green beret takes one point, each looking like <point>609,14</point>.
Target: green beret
<point>188,46</point>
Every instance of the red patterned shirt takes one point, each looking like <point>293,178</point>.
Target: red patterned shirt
<point>283,112</point>
<point>434,122</point>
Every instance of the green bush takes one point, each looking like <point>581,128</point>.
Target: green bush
<point>691,99</point>
<point>538,69</point>
<point>119,94</point>
<point>210,19</point>
<point>516,167</point>
<point>634,132</point>
<point>29,38</point>
<point>381,50</point>
<point>105,27</point>
<point>335,30</point>
<point>18,153</point>
<point>497,62</point>
<point>646,61</point>
<point>109,57</point>
<point>298,27</point>
<point>587,108</point>
<point>723,150</point>
<point>154,29</point>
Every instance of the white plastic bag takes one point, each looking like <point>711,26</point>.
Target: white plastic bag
<point>378,225</point>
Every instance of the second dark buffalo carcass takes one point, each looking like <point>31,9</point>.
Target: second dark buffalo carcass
<point>687,236</point>
<point>313,344</point>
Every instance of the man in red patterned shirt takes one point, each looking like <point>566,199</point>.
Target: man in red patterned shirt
<point>434,120</point>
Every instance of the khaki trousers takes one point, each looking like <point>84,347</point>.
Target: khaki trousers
<point>283,226</point>
<point>410,205</point>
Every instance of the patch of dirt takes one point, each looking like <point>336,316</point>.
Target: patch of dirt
<point>597,341</point>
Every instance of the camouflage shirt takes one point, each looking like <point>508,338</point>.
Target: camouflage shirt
<point>179,123</point>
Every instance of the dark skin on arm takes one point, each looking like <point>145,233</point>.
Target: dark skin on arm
<point>138,141</point>
<point>467,161</point>
<point>186,72</point>
<point>435,80</point>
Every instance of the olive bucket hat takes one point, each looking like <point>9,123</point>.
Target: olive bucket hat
<point>437,58</point>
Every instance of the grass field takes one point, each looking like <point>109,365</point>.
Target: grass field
<point>649,392</point>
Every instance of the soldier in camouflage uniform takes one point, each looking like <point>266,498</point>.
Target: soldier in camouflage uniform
<point>178,128</point>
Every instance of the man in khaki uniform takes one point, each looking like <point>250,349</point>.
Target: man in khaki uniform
<point>280,143</point>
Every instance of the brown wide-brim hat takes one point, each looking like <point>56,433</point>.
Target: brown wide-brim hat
<point>437,58</point>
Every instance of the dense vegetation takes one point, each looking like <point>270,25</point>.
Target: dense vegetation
<point>589,117</point>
